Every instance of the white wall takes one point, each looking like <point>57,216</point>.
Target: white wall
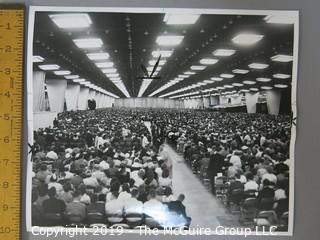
<point>148,103</point>
<point>43,119</point>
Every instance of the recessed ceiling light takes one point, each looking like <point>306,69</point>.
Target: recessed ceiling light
<point>109,70</point>
<point>79,80</point>
<point>71,20</point>
<point>281,76</point>
<point>225,75</point>
<point>258,65</point>
<point>178,79</point>
<point>282,58</point>
<point>198,68</point>
<point>37,59</point>
<point>180,19</point>
<point>224,52</point>
<point>104,64</point>
<point>218,79</point>
<point>244,90</point>
<point>169,40</point>
<point>71,76</point>
<point>98,56</point>
<point>247,39</point>
<point>254,89</point>
<point>110,75</point>
<point>163,53</point>
<point>48,67</point>
<point>84,82</point>
<point>208,61</point>
<point>237,84</point>
<point>183,76</point>
<point>189,73</point>
<point>208,81</point>
<point>240,71</point>
<point>266,87</point>
<point>161,62</point>
<point>280,19</point>
<point>280,85</point>
<point>261,79</point>
<point>220,88</point>
<point>88,42</point>
<point>248,82</point>
<point>114,78</point>
<point>62,72</point>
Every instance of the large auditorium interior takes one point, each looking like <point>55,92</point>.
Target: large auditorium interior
<point>162,119</point>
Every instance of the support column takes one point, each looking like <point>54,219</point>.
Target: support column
<point>214,100</point>
<point>98,99</point>
<point>56,93</point>
<point>92,94</point>
<point>206,102</point>
<point>72,95</point>
<point>251,101</point>
<point>83,98</point>
<point>38,91</point>
<point>273,101</point>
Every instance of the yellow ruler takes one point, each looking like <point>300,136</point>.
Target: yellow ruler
<point>11,119</point>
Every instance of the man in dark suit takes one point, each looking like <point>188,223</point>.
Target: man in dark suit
<point>215,166</point>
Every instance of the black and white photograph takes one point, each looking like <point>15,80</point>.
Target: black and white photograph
<point>162,119</point>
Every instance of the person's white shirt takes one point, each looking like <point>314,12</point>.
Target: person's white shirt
<point>243,179</point>
<point>123,196</point>
<point>132,205</point>
<point>104,165</point>
<point>164,182</point>
<point>279,194</point>
<point>114,207</point>
<point>270,176</point>
<point>58,186</point>
<point>169,198</point>
<point>236,161</point>
<point>251,185</point>
<point>85,199</point>
<point>154,208</point>
<point>91,182</point>
<point>145,141</point>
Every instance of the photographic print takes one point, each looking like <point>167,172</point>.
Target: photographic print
<point>145,120</point>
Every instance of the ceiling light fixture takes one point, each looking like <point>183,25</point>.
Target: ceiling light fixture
<point>247,39</point>
<point>98,56</point>
<point>180,19</point>
<point>240,71</point>
<point>280,19</point>
<point>37,59</point>
<point>198,68</point>
<point>62,72</point>
<point>88,42</point>
<point>281,76</point>
<point>224,52</point>
<point>218,79</point>
<point>208,61</point>
<point>248,82</point>
<point>104,64</point>
<point>282,58</point>
<point>280,85</point>
<point>48,67</point>
<point>169,40</point>
<point>225,75</point>
<point>71,76</point>
<point>71,20</point>
<point>163,53</point>
<point>109,70</point>
<point>258,65</point>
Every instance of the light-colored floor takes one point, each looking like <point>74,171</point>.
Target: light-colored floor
<point>200,204</point>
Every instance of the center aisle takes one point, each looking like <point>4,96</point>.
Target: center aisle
<point>200,205</point>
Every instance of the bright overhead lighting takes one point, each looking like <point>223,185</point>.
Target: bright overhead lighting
<point>163,53</point>
<point>37,59</point>
<point>48,67</point>
<point>183,76</point>
<point>98,56</point>
<point>282,58</point>
<point>208,61</point>
<point>84,82</point>
<point>248,82</point>
<point>153,62</point>
<point>220,88</point>
<point>228,86</point>
<point>109,70</point>
<point>180,19</point>
<point>258,65</point>
<point>266,87</point>
<point>71,20</point>
<point>224,52</point>
<point>62,72</point>
<point>88,42</point>
<point>208,81</point>
<point>280,85</point>
<point>189,73</point>
<point>237,84</point>
<point>244,90</point>
<point>71,76</point>
<point>110,75</point>
<point>281,76</point>
<point>280,19</point>
<point>240,71</point>
<point>104,64</point>
<point>218,79</point>
<point>247,39</point>
<point>198,68</point>
<point>79,80</point>
<point>225,75</point>
<point>169,40</point>
<point>114,78</point>
<point>254,89</point>
<point>263,79</point>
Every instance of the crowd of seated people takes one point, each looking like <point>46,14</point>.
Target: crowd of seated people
<point>107,159</point>
<point>98,167</point>
<point>246,156</point>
